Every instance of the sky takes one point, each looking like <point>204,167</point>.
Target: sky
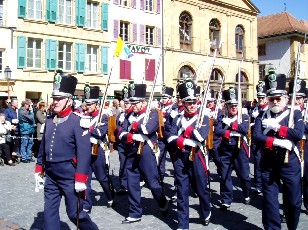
<point>298,8</point>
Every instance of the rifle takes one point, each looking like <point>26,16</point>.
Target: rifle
<point>291,117</point>
<point>239,98</point>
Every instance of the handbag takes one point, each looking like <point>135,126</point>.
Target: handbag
<point>8,138</point>
<point>42,128</point>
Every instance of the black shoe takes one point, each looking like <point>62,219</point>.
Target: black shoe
<point>130,220</point>
<point>256,192</point>
<point>110,204</point>
<point>283,219</point>
<point>247,200</point>
<point>121,191</point>
<point>164,210</point>
<point>206,222</point>
<point>24,161</point>
<point>225,207</point>
<point>87,211</point>
<point>31,160</point>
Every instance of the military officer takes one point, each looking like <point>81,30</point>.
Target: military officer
<point>259,109</point>
<point>280,156</point>
<point>99,161</point>
<point>305,158</point>
<point>233,150</point>
<point>190,160</point>
<point>140,141</point>
<point>65,158</point>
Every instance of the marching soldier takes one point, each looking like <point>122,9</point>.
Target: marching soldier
<point>121,144</point>
<point>280,156</point>
<point>140,141</point>
<point>190,160</point>
<point>305,158</point>
<point>166,106</point>
<point>233,150</point>
<point>65,158</point>
<point>259,109</point>
<point>99,161</point>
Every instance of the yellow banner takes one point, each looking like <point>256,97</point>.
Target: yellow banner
<point>119,47</point>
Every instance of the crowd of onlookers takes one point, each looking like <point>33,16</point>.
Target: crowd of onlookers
<point>22,127</point>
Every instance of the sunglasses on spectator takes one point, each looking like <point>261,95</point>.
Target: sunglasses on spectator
<point>272,99</point>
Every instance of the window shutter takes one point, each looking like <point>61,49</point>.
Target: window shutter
<point>82,57</point>
<point>21,52</point>
<point>22,5</point>
<point>104,60</point>
<point>134,4</point>
<point>158,36</point>
<point>128,70</point>
<point>53,10</point>
<point>134,33</point>
<point>115,29</point>
<point>53,54</point>
<point>122,69</point>
<point>77,57</point>
<point>141,4</point>
<point>47,53</point>
<point>141,34</point>
<point>76,13</point>
<point>116,2</point>
<point>82,12</point>
<point>48,10</point>
<point>158,6</point>
<point>105,9</point>
<point>150,72</point>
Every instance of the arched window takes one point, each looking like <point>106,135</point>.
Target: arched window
<point>239,39</point>
<point>214,35</point>
<point>244,84</point>
<point>216,75</point>
<point>185,28</point>
<point>186,72</point>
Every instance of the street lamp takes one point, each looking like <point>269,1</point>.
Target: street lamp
<point>7,75</point>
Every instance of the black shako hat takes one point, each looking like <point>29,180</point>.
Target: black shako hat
<point>230,95</point>
<point>198,91</point>
<point>125,94</point>
<point>187,91</point>
<point>167,91</point>
<point>64,85</point>
<point>91,93</point>
<point>275,84</point>
<point>137,92</point>
<point>177,87</point>
<point>300,88</point>
<point>261,90</point>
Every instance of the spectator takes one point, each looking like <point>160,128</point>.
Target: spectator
<point>40,124</point>
<point>122,106</point>
<point>26,124</point>
<point>11,115</point>
<point>116,107</point>
<point>108,111</point>
<point>5,127</point>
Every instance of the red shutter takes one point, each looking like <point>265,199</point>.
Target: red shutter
<point>125,69</point>
<point>150,69</point>
<point>122,69</point>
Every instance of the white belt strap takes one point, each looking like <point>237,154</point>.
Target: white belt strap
<point>278,119</point>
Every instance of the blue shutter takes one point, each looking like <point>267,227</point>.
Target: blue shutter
<point>21,52</point>
<point>77,57</point>
<point>82,57</point>
<point>104,60</point>
<point>47,53</point>
<point>22,6</point>
<point>53,7</point>
<point>48,13</point>
<point>82,12</point>
<point>77,14</point>
<point>53,54</point>
<point>105,9</point>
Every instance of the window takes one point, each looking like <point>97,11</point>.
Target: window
<point>149,35</point>
<point>216,75</point>
<point>239,39</point>
<point>125,69</point>
<point>34,53</point>
<point>1,62</point>
<point>243,78</point>
<point>214,35</point>
<point>91,59</point>
<point>185,27</point>
<point>262,50</point>
<point>65,56</point>
<point>65,11</point>
<point>35,9</point>
<point>124,2</point>
<point>261,72</point>
<point>149,69</point>
<point>92,15</point>
<point>124,31</point>
<point>149,5</point>
<point>1,13</point>
<point>186,72</point>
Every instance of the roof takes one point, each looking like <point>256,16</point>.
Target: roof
<point>281,23</point>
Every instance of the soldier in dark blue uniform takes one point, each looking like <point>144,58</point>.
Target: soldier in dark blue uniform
<point>280,156</point>
<point>261,107</point>
<point>121,144</point>
<point>141,139</point>
<point>99,163</point>
<point>65,158</point>
<point>165,106</point>
<point>305,158</point>
<point>233,151</point>
<point>190,160</point>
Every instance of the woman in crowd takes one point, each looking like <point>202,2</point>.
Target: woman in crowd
<point>5,128</point>
<point>41,119</point>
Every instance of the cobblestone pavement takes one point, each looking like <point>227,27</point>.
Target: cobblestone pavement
<point>22,208</point>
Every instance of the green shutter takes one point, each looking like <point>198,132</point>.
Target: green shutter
<point>48,10</point>
<point>53,10</point>
<point>104,67</point>
<point>82,57</point>
<point>53,54</point>
<point>82,12</point>
<point>77,57</point>
<point>47,53</point>
<point>105,9</point>
<point>22,6</point>
<point>21,52</point>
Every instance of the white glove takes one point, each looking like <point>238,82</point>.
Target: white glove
<point>234,134</point>
<point>271,124</point>
<point>255,113</point>
<point>79,187</point>
<point>227,121</point>
<point>252,124</point>
<point>39,182</point>
<point>190,142</point>
<point>93,140</point>
<point>15,121</point>
<point>138,137</point>
<point>286,144</point>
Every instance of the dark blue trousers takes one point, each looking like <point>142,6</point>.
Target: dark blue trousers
<point>233,158</point>
<point>146,166</point>
<point>162,158</point>
<point>123,166</point>
<point>256,152</point>
<point>60,182</point>
<point>305,177</point>
<point>194,174</point>
<point>271,176</point>
<point>98,166</point>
